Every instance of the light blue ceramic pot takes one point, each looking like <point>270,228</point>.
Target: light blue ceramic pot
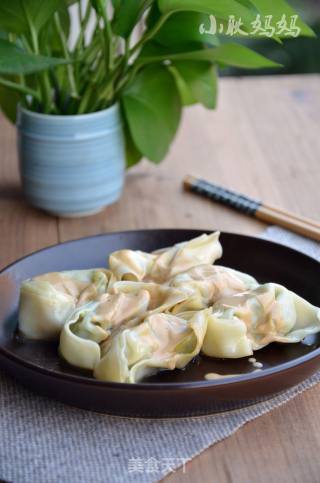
<point>71,166</point>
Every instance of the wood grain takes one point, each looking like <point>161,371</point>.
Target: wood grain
<point>262,141</point>
<point>280,447</point>
<point>22,228</point>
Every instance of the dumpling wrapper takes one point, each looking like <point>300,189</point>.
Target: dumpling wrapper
<point>162,297</point>
<point>161,342</point>
<point>92,324</point>
<point>46,301</point>
<point>247,322</point>
<point>206,284</point>
<point>161,265</point>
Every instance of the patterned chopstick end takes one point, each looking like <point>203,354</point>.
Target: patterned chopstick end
<point>221,195</point>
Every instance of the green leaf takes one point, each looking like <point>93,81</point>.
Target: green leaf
<point>126,16</point>
<point>133,155</point>
<point>49,37</point>
<point>15,15</point>
<point>152,107</point>
<point>185,27</point>
<point>246,10</point>
<point>14,60</point>
<point>219,8</point>
<point>240,56</point>
<point>180,28</point>
<point>185,92</point>
<point>116,3</point>
<point>198,82</point>
<point>99,5</point>
<point>154,49</point>
<point>9,100</point>
<point>228,54</point>
<point>278,8</point>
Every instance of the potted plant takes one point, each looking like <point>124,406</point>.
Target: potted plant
<point>89,108</point>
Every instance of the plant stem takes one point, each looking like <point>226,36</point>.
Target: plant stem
<point>84,101</point>
<point>83,25</point>
<point>99,72</point>
<point>26,44</point>
<point>43,77</point>
<point>126,54</point>
<point>89,56</point>
<point>109,86</point>
<point>63,41</point>
<point>93,85</point>
<point>89,53</point>
<point>108,41</point>
<point>125,81</point>
<point>20,88</point>
<point>151,33</point>
<point>133,69</point>
<point>22,79</point>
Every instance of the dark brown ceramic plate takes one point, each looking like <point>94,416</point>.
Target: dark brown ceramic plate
<point>172,393</point>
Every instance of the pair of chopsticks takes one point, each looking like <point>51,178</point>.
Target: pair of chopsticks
<point>269,214</point>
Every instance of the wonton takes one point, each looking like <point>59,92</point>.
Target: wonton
<point>156,311</point>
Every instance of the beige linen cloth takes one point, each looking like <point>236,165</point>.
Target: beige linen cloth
<point>45,441</point>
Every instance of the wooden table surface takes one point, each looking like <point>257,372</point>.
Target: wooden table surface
<point>264,140</point>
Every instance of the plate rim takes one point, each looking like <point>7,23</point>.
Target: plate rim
<point>167,386</point>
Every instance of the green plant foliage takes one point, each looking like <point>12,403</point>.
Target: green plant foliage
<point>228,54</point>
<point>17,15</point>
<point>297,56</point>
<point>14,60</point>
<point>221,9</point>
<point>182,28</point>
<point>173,63</point>
<point>133,155</point>
<point>8,102</point>
<point>278,9</point>
<point>126,16</point>
<point>197,82</point>
<point>152,107</point>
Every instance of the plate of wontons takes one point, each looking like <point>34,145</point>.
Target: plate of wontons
<point>161,323</point>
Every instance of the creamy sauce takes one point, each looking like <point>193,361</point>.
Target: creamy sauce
<point>255,363</point>
<point>211,376</point>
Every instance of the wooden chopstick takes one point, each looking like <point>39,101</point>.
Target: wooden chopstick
<point>269,214</point>
<point>293,215</point>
